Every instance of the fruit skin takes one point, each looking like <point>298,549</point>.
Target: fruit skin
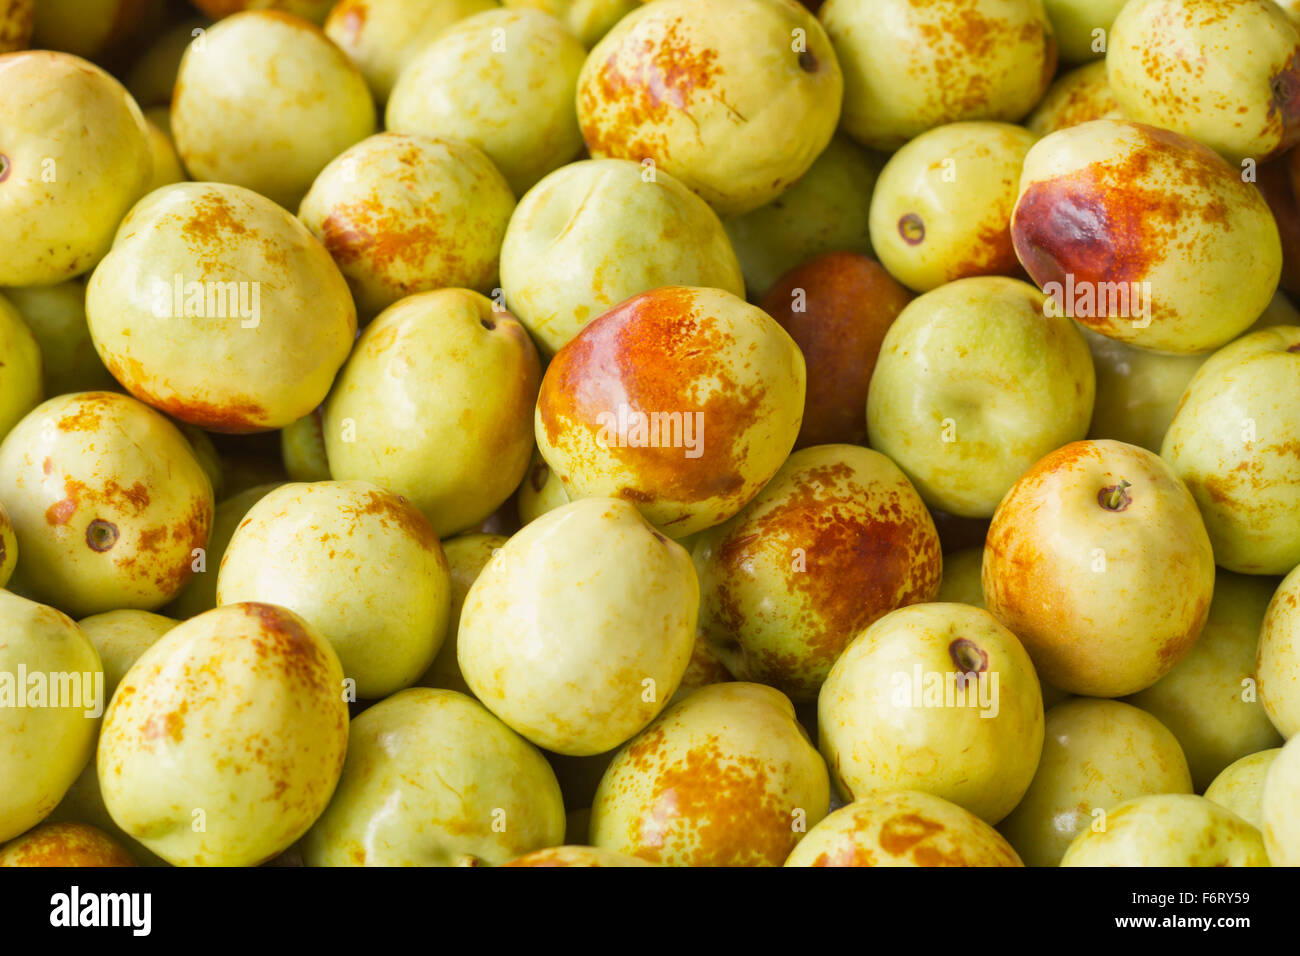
<point>65,845</point>
<point>588,20</point>
<point>876,735</point>
<point>467,555</point>
<point>46,747</point>
<point>565,260</point>
<point>17,18</point>
<point>313,10</point>
<point>1240,787</point>
<point>403,213</point>
<point>1234,439</point>
<point>903,828</point>
<point>21,379</point>
<point>1203,700</point>
<point>1075,23</point>
<point>108,503</point>
<point>120,637</point>
<point>520,109</point>
<point>1164,212</point>
<point>1096,754</point>
<point>62,113</point>
<point>382,36</point>
<point>577,856</point>
<point>433,779</point>
<point>629,618</point>
<point>956,366</point>
<point>266,101</point>
<point>540,491</point>
<point>8,547</point>
<point>1169,829</point>
<point>837,539</point>
<point>720,96</point>
<point>825,211</point>
<point>1277,665</point>
<point>88,28</point>
<point>167,167</point>
<point>399,403</point>
<point>1137,390</point>
<point>200,592</point>
<point>1278,807</point>
<point>238,713</point>
<point>837,307</point>
<point>1274,180</point>
<point>276,320</point>
<point>1175,64</point>
<point>942,206</point>
<point>151,78</point>
<point>703,354</point>
<point>725,777</point>
<point>56,316</point>
<point>297,543</point>
<point>904,63</point>
<point>1098,560</point>
<point>1079,96</point>
<point>302,446</point>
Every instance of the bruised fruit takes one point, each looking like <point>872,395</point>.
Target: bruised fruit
<point>911,66</point>
<point>467,555</point>
<point>107,500</point>
<point>519,110</point>
<point>1145,236</point>
<point>725,777</point>
<point>837,308</point>
<point>400,404</point>
<point>934,697</point>
<point>1235,440</point>
<point>837,539</point>
<point>235,718</point>
<point>942,206</point>
<point>735,98</point>
<point>1171,829</point>
<point>565,260</point>
<point>21,376</point>
<point>65,845</point>
<point>960,364</point>
<point>382,36</point>
<point>903,828</point>
<point>623,634</point>
<point>1239,787</point>
<point>577,856</point>
<point>412,761</point>
<point>1079,96</point>
<point>300,540</point>
<point>48,724</point>
<point>1096,755</point>
<point>1178,64</point>
<point>684,401</point>
<point>74,157</point>
<point>120,637</point>
<point>825,211</point>
<point>219,271</point>
<point>265,100</point>
<point>403,213</point>
<point>1277,666</point>
<point>1209,699</point>
<point>1098,560</point>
